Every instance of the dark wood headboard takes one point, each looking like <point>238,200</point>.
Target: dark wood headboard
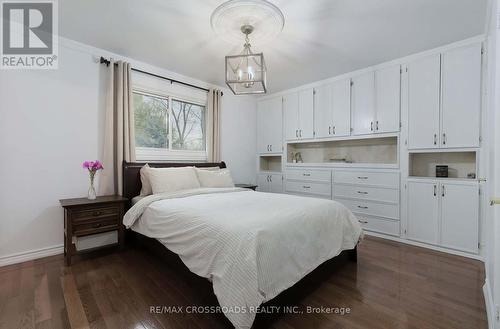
<point>132,178</point>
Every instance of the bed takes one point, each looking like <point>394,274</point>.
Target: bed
<point>250,245</point>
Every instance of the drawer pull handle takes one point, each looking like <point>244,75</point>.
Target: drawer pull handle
<point>306,186</point>
<point>362,177</point>
<point>97,225</point>
<point>362,207</point>
<point>96,213</point>
<point>361,192</point>
<point>363,221</point>
<point>307,175</point>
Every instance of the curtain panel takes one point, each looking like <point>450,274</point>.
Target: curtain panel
<point>119,138</point>
<point>213,125</point>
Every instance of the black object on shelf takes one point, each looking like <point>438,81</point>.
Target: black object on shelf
<point>441,171</point>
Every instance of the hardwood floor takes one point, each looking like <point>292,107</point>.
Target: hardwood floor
<point>392,286</point>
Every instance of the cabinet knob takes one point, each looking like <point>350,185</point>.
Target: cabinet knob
<point>362,207</point>
<point>363,221</point>
<point>97,225</point>
<point>362,177</point>
<point>305,186</point>
<point>362,192</point>
<point>96,213</point>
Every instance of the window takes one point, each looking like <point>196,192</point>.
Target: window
<point>167,128</point>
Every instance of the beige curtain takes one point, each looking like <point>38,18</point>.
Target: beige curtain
<point>119,138</point>
<point>213,125</point>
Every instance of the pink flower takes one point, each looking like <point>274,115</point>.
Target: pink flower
<point>92,166</point>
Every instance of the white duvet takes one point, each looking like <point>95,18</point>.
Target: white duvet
<point>251,245</point>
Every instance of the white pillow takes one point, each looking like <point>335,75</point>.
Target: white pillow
<point>172,179</point>
<point>210,178</point>
<point>145,184</point>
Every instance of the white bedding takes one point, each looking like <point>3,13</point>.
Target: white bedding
<point>251,245</point>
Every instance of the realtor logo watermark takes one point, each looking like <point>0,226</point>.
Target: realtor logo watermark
<point>29,30</point>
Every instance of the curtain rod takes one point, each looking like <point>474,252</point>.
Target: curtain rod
<point>107,62</point>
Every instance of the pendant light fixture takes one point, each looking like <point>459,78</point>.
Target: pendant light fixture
<point>246,72</point>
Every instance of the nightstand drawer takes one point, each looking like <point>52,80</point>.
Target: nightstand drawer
<point>92,213</point>
<point>95,226</point>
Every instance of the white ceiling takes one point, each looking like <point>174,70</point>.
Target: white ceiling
<point>321,38</point>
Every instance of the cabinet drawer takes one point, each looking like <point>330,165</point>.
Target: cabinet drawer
<point>309,175</point>
<point>379,225</point>
<point>309,188</point>
<point>92,213</point>
<point>366,193</point>
<point>96,226</point>
<point>371,208</point>
<point>384,179</point>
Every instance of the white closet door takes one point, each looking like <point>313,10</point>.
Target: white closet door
<point>306,113</point>
<point>323,111</point>
<point>275,125</point>
<point>461,97</point>
<point>263,183</point>
<point>276,183</point>
<point>291,114</point>
<point>363,104</point>
<point>460,216</point>
<point>262,127</point>
<point>341,108</point>
<point>423,102</point>
<point>388,91</point>
<point>423,211</point>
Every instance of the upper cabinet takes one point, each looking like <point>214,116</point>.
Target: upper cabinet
<point>363,104</point>
<point>298,112</point>
<point>423,102</point>
<point>269,126</point>
<point>332,108</point>
<point>444,99</point>
<point>376,101</point>
<point>461,97</point>
<point>387,99</point>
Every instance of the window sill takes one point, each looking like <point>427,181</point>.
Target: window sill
<point>151,154</point>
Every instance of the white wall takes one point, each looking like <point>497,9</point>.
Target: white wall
<point>51,121</point>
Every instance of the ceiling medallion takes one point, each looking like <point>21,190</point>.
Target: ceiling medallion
<point>246,72</point>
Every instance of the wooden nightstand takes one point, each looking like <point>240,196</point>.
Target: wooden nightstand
<point>249,186</point>
<point>83,217</point>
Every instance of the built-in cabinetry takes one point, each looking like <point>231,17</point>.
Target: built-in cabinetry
<point>269,126</point>
<point>372,139</point>
<point>444,213</point>
<point>298,114</point>
<point>372,195</point>
<point>444,99</point>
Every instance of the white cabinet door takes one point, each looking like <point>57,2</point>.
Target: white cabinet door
<point>460,216</point>
<point>388,91</point>
<point>323,111</point>
<point>423,211</point>
<point>263,184</point>
<point>306,110</point>
<point>275,125</point>
<point>291,114</point>
<point>276,183</point>
<point>341,108</point>
<point>461,97</point>
<point>363,104</point>
<point>423,102</point>
<point>262,127</point>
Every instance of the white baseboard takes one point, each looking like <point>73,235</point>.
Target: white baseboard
<point>31,255</point>
<point>424,245</point>
<point>490,306</point>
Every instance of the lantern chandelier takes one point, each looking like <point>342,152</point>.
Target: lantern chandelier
<point>246,72</point>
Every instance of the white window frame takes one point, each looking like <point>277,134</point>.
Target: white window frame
<point>169,154</point>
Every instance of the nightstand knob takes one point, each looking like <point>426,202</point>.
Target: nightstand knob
<point>96,213</point>
<point>97,225</point>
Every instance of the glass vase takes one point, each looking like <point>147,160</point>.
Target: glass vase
<point>91,193</point>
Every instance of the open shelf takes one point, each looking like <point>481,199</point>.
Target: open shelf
<point>460,164</point>
<point>355,152</point>
<point>270,163</point>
